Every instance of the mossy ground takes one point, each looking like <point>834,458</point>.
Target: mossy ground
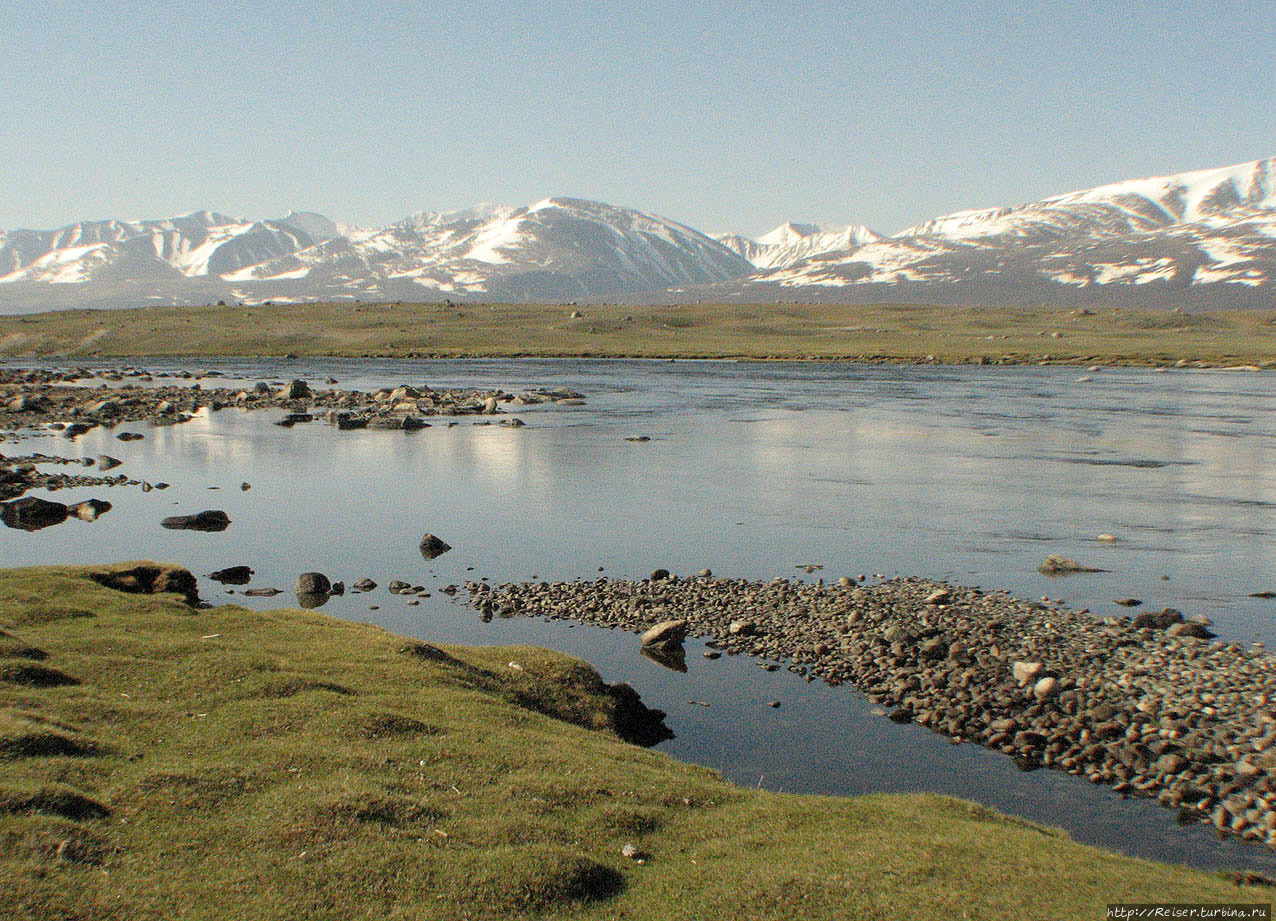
<point>776,331</point>
<point>233,764</point>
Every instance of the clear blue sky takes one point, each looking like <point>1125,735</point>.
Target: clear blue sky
<point>723,115</point>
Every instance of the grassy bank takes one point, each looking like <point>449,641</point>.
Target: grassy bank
<point>158,761</point>
<point>871,333</point>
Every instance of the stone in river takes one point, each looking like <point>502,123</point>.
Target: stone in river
<point>313,583</point>
<point>210,520</point>
<point>89,509</point>
<point>1128,602</point>
<point>232,575</point>
<point>1055,565</point>
<point>432,546</point>
<point>669,632</point>
<point>31,514</point>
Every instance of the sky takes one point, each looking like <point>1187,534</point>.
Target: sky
<point>728,116</point>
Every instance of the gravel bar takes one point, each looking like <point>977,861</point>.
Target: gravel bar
<point>1151,706</point>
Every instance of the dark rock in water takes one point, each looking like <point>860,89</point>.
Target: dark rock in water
<point>31,514</point>
<point>338,588</point>
<point>638,438</point>
<point>659,575</point>
<point>671,655</point>
<point>901,715</point>
<point>232,575</point>
<point>432,546</point>
<point>1128,602</point>
<point>76,429</point>
<point>398,587</point>
<point>245,486</point>
<point>311,599</point>
<point>364,585</point>
<point>1055,565</point>
<point>106,462</point>
<point>297,390</point>
<point>1262,594</point>
<point>262,592</point>
<point>291,419</point>
<point>130,436</point>
<point>313,583</point>
<point>210,520</point>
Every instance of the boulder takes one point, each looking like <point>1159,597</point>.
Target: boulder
<point>659,575</point>
<point>432,546</point>
<point>31,514</point>
<point>1055,565</point>
<point>106,462</point>
<point>89,509</point>
<point>232,575</point>
<point>313,583</point>
<point>209,520</point>
<point>668,632</point>
<point>297,390</point>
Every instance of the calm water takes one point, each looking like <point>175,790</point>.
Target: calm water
<point>974,475</point>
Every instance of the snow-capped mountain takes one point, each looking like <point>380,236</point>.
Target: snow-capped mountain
<point>791,242</point>
<point>557,249</point>
<point>1199,238</point>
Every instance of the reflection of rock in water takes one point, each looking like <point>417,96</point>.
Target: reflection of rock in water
<point>32,514</point>
<point>311,599</point>
<point>671,656</point>
<point>432,546</point>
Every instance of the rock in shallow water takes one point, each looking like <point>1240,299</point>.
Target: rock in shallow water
<point>210,520</point>
<point>432,546</point>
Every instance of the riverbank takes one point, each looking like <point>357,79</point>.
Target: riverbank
<point>158,759</point>
<point>873,333</point>
<point>1148,705</point>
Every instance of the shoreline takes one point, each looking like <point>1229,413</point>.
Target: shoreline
<point>1152,706</point>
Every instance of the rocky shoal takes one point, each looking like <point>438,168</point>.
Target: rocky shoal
<point>79,400</point>
<point>1151,707</point>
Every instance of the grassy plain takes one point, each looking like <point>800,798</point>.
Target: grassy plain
<point>159,762</point>
<point>773,331</point>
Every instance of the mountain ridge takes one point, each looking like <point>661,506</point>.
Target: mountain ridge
<point>1196,237</point>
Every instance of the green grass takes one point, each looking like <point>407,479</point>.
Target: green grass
<point>233,764</point>
<point>777,331</point>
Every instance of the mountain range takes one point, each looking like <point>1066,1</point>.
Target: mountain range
<point>1202,238</point>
